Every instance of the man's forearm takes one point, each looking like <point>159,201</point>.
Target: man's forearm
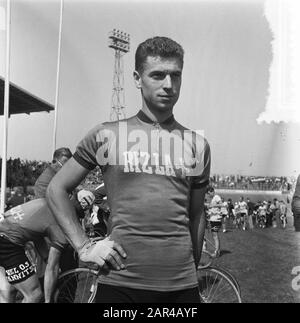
<point>50,280</point>
<point>197,229</point>
<point>65,214</point>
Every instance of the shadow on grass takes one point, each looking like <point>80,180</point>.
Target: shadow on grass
<point>224,252</point>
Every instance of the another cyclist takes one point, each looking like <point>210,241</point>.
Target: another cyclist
<point>262,214</point>
<point>155,194</point>
<point>283,213</point>
<point>30,221</point>
<point>224,213</point>
<point>236,215</point>
<point>243,210</point>
<point>215,217</point>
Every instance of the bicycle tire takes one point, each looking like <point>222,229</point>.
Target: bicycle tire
<point>232,277</point>
<point>205,260</point>
<point>77,286</point>
<point>215,286</point>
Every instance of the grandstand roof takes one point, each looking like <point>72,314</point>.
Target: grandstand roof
<point>21,101</point>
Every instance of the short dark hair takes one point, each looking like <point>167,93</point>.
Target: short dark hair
<point>209,189</point>
<point>157,46</point>
<point>62,152</point>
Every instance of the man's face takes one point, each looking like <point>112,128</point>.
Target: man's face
<point>160,82</point>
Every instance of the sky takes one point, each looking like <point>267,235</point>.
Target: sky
<point>225,86</point>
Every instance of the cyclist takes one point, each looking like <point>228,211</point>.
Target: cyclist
<point>251,215</point>
<point>237,215</point>
<point>224,213</point>
<point>262,214</point>
<point>215,217</point>
<point>155,194</point>
<point>230,208</point>
<point>68,260</point>
<point>283,213</point>
<point>30,221</point>
<point>243,210</point>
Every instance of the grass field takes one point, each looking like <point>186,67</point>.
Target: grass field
<point>262,260</point>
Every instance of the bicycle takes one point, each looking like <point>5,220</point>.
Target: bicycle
<point>216,285</point>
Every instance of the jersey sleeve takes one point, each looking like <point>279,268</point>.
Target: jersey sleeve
<point>86,150</point>
<point>203,157</point>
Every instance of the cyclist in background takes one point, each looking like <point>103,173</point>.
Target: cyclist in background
<point>262,214</point>
<point>69,259</point>
<point>251,215</point>
<point>214,217</point>
<point>243,210</point>
<point>283,213</point>
<point>237,215</point>
<point>224,213</point>
<point>230,208</point>
<point>30,221</point>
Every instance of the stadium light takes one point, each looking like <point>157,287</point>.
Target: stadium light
<point>119,40</point>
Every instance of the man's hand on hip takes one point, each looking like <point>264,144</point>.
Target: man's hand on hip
<point>106,253</point>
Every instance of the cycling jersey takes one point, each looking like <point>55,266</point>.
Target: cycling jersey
<point>283,208</point>
<point>148,187</point>
<point>243,207</point>
<point>214,211</point>
<point>224,208</point>
<point>30,222</point>
<point>262,210</point>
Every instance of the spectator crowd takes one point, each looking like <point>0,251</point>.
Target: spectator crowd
<point>22,174</point>
<point>267,183</point>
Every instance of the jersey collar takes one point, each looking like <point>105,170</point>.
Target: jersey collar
<point>143,117</point>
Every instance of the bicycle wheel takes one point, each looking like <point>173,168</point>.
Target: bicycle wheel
<point>76,286</point>
<point>205,260</point>
<point>217,287</point>
<point>231,276</point>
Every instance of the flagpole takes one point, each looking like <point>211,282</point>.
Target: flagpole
<point>5,112</point>
<point>57,76</point>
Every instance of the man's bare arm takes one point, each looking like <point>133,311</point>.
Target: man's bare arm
<point>51,273</point>
<point>64,182</point>
<point>106,253</point>
<point>197,221</point>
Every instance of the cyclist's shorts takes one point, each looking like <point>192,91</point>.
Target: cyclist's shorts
<point>215,226</point>
<point>15,262</point>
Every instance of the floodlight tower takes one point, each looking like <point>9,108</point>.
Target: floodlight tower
<point>119,41</point>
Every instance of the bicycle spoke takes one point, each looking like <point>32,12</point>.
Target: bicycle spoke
<point>77,286</point>
<point>216,286</point>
